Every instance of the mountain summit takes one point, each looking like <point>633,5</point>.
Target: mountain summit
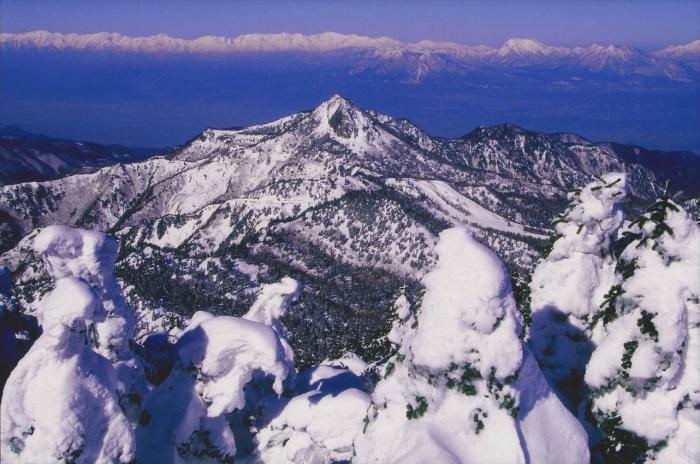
<point>346,200</point>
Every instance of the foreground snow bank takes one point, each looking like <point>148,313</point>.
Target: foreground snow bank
<point>452,392</point>
<point>319,423</point>
<point>569,284</point>
<point>220,360</point>
<point>60,402</point>
<point>644,374</point>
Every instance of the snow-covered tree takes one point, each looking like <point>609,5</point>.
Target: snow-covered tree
<point>60,402</point>
<point>404,319</point>
<point>455,389</point>
<point>318,422</point>
<point>644,374</point>
<point>90,256</point>
<point>186,418</point>
<point>569,284</point>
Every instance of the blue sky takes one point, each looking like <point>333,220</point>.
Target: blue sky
<point>644,23</point>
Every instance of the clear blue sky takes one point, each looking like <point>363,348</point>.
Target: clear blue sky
<point>643,23</point>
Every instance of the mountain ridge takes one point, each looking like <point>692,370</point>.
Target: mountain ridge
<point>28,157</point>
<point>673,62</point>
<point>348,201</point>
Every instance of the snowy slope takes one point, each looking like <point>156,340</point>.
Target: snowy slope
<point>347,200</point>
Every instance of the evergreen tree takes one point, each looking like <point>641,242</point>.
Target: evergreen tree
<point>60,402</point>
<point>455,373</point>
<point>569,283</point>
<point>644,375</point>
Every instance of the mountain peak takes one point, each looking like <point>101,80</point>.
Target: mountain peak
<point>689,50</point>
<point>339,115</point>
<point>523,47</point>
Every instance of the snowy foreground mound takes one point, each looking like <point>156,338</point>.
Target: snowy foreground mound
<point>614,326</point>
<point>461,387</point>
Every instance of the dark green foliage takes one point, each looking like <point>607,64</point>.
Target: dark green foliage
<point>549,245</point>
<point>508,404</point>
<point>465,382</point>
<point>619,445</point>
<point>630,348</point>
<point>609,306</point>
<point>647,327</point>
<point>521,293</point>
<point>389,369</point>
<point>626,268</point>
<point>478,417</point>
<point>657,214</point>
<point>419,410</point>
<point>199,446</point>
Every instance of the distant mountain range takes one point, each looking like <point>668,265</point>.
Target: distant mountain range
<point>349,201</point>
<point>678,62</point>
<point>27,157</point>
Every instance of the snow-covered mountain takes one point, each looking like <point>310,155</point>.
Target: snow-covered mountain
<point>348,201</point>
<point>28,157</point>
<point>385,54</point>
<point>689,51</point>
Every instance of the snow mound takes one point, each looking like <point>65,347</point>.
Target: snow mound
<point>569,284</point>
<point>227,351</point>
<point>273,302</point>
<point>90,257</point>
<point>186,417</point>
<point>644,374</point>
<point>319,424</point>
<point>452,392</point>
<point>60,402</point>
<point>468,313</point>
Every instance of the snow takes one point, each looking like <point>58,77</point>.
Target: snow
<point>471,318</point>
<point>657,327</point>
<point>273,301</point>
<point>88,257</point>
<point>551,434</point>
<point>218,359</point>
<point>447,395</point>
<point>381,47</point>
<point>316,426</point>
<point>457,208</point>
<point>569,285</point>
<point>60,402</point>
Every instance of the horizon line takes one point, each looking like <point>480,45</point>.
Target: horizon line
<point>295,41</point>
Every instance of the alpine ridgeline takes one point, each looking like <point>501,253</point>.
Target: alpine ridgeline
<point>347,201</point>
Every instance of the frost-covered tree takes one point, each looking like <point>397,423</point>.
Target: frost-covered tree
<point>569,284</point>
<point>644,374</point>
<point>318,421</point>
<point>461,387</point>
<point>59,403</point>
<point>186,418</point>
<point>404,319</point>
<point>90,256</point>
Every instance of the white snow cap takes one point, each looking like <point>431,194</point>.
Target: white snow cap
<point>273,302</point>
<point>228,351</point>
<point>60,402</point>
<point>449,395</point>
<point>468,313</point>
